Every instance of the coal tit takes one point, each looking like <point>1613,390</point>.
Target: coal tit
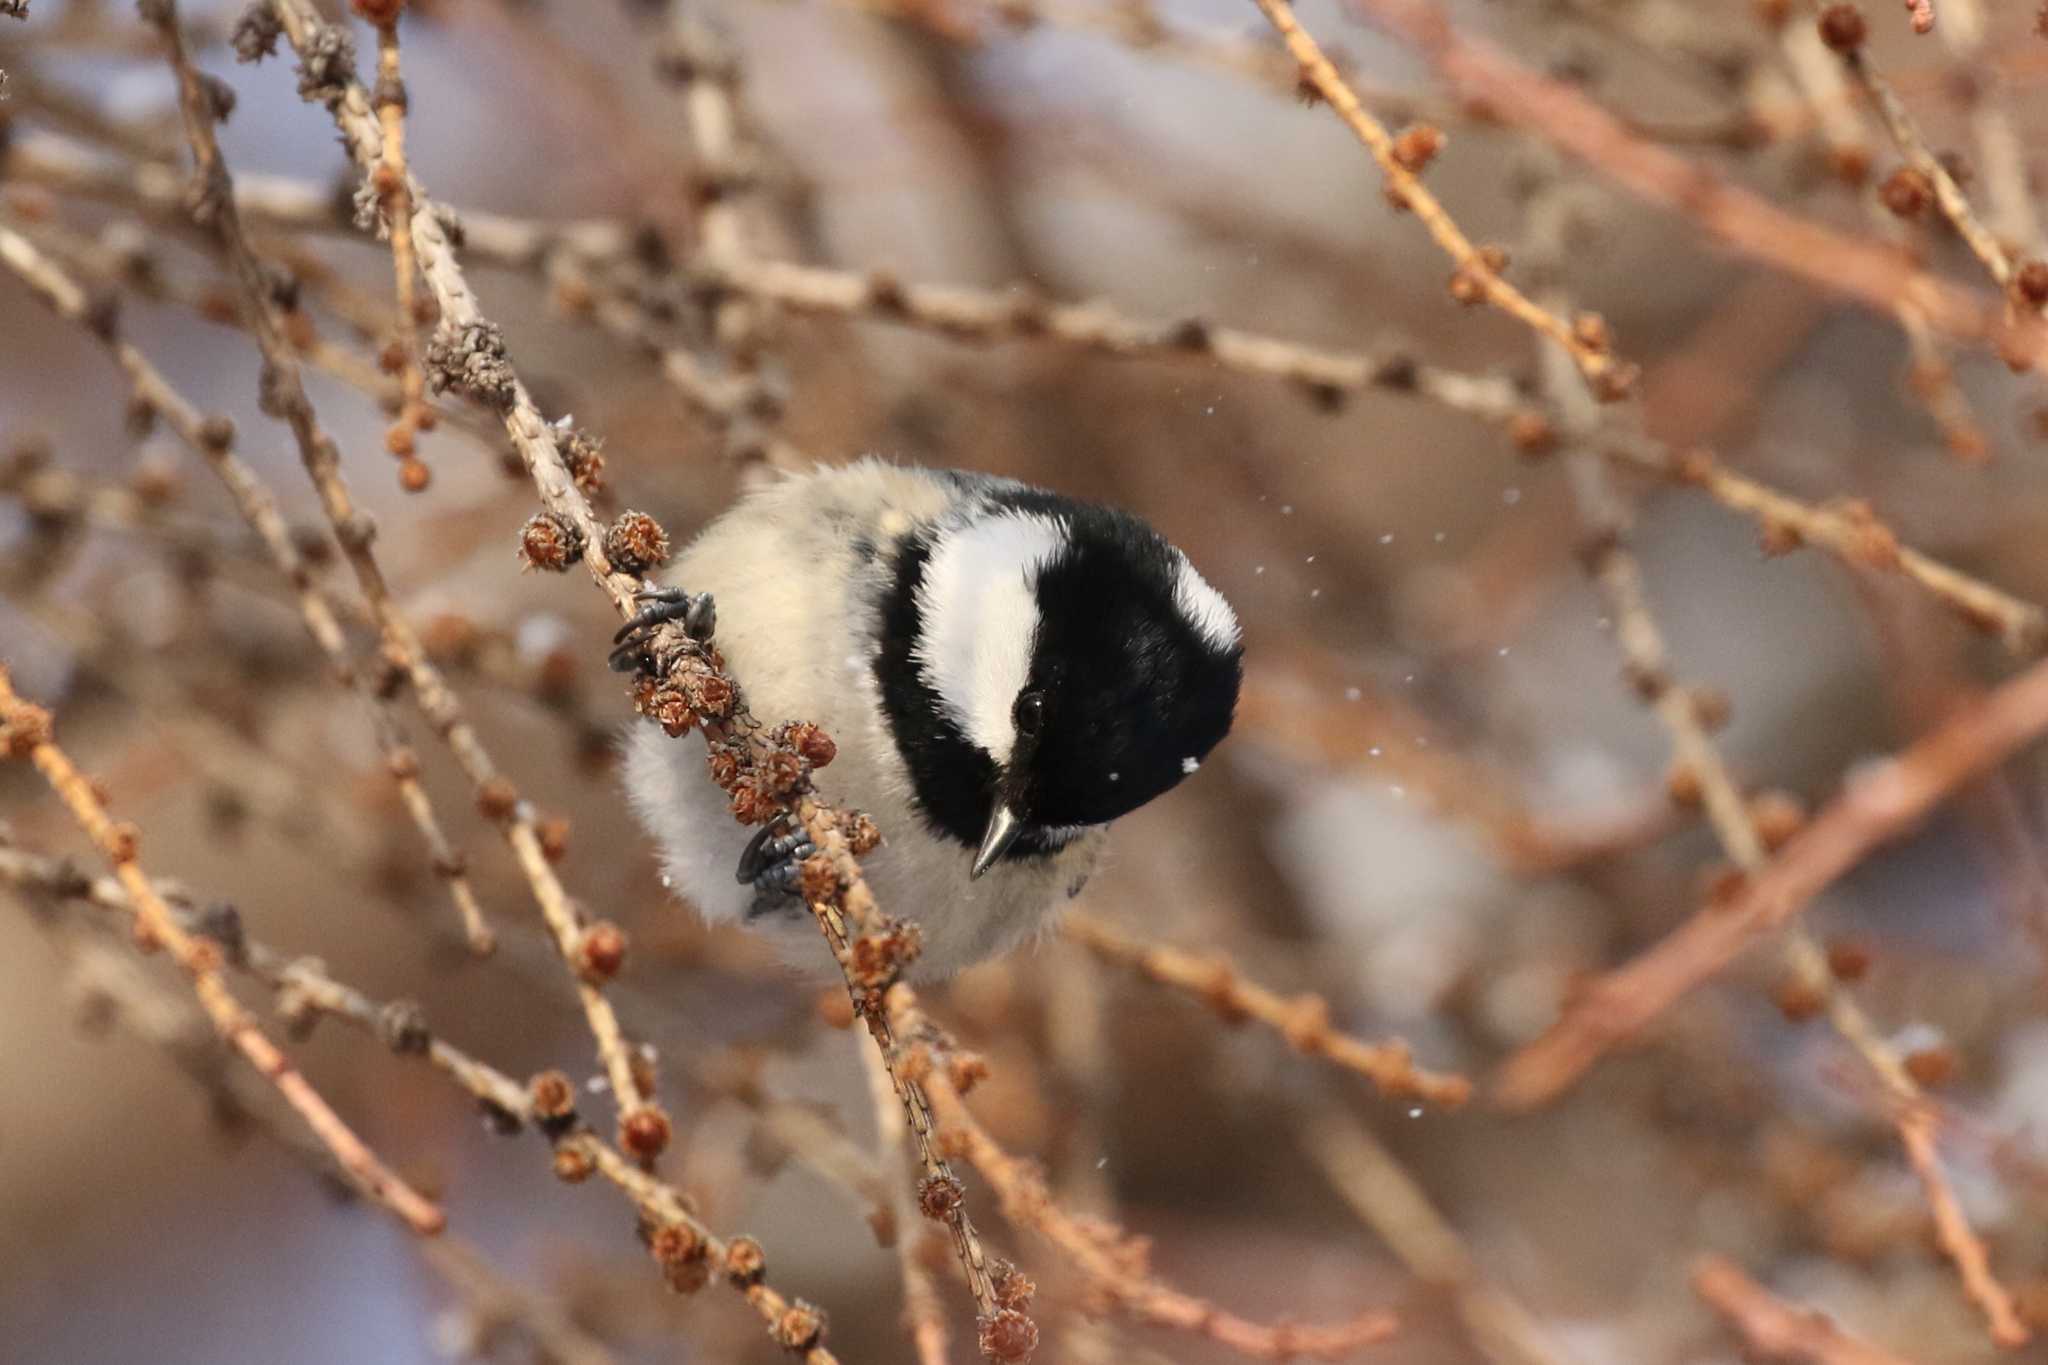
<point>1005,671</point>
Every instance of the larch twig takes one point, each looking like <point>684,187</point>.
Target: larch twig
<point>26,732</point>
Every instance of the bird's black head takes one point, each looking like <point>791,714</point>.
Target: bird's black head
<point>1058,664</point>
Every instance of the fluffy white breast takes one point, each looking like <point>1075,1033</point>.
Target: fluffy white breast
<point>979,614</point>
<point>1203,606</point>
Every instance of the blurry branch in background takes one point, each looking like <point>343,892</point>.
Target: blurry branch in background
<point>1881,802</point>
<point>589,951</point>
<point>1477,270</point>
<point>686,688</point>
<point>1847,528</point>
<point>1390,1202</point>
<point>688,1254</point>
<point>1114,1263</point>
<point>1774,1330</point>
<point>1304,1020</point>
<point>26,733</point>
<point>212,439</point>
<point>1879,276</point>
<point>1748,829</point>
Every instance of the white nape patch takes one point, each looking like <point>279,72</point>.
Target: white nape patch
<point>979,614</point>
<point>1204,607</point>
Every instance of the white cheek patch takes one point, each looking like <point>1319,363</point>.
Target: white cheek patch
<point>979,616</point>
<point>1204,607</point>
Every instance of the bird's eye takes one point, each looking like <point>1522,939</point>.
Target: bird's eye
<point>1030,713</point>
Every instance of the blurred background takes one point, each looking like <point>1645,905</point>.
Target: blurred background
<point>1443,804</point>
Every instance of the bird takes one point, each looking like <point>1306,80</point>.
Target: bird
<point>1005,671</point>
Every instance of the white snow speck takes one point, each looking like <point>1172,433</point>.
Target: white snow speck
<point>1511,496</point>
<point>1188,765</point>
<point>1352,694</point>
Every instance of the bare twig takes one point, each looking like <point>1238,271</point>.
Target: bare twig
<point>1477,271</point>
<point>1383,1193</point>
<point>212,439</point>
<point>1304,1020</point>
<point>25,732</point>
<point>284,395</point>
<point>1114,1263</point>
<point>1884,801</point>
<point>1775,1330</point>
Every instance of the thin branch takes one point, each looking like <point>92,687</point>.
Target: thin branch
<point>1884,801</point>
<point>1115,1263</point>
<point>25,732</point>
<point>1879,276</point>
<point>693,690</point>
<point>1476,271</point>
<point>212,439</point>
<point>1773,1329</point>
<point>1303,1020</point>
<point>690,1254</point>
<point>394,201</point>
<point>284,395</point>
<point>1386,1196</point>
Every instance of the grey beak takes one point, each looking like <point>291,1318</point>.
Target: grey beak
<point>1003,829</point>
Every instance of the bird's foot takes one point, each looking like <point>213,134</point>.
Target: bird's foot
<point>773,862</point>
<point>695,612</point>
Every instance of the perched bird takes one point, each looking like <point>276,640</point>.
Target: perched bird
<point>1005,671</point>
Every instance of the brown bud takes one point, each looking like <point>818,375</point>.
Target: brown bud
<point>669,709</point>
<point>745,1263</point>
<point>1843,29</point>
<point>1532,433</point>
<point>550,542</point>
<point>635,543</point>
<point>681,1254</point>
<point>1467,286</point>
<point>379,13</point>
<point>26,727</point>
<point>863,836</point>
<point>820,880</point>
<point>2030,282</point>
<point>1712,708</point>
<point>939,1197</point>
<point>414,476</point>
<point>1416,146</point>
<point>1906,192</point>
<point>1007,1336</point>
<point>1849,163</point>
<point>497,799</point>
<point>1590,330</point>
<point>1013,1288</point>
<point>1723,884</point>
<point>1682,785</point>
<point>1848,959</point>
<point>1778,815</point>
<point>553,834</point>
<point>552,1095</point>
<point>645,1131</point>
<point>1694,466</point>
<point>601,952</point>
<point>573,1165</point>
<point>1933,1066</point>
<point>798,1327</point>
<point>814,744</point>
<point>965,1070</point>
<point>1779,537</point>
<point>1800,1000</point>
